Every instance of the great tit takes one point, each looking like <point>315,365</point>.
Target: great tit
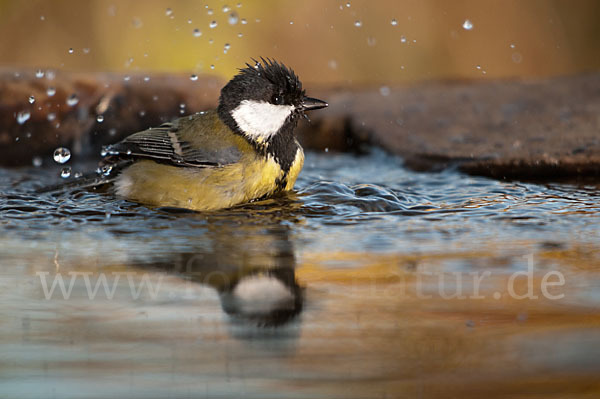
<point>245,150</point>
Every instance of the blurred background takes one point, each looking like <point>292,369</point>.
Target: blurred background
<point>334,42</point>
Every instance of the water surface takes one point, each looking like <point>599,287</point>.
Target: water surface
<point>359,284</point>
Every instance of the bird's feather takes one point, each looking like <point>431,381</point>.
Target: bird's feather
<point>177,143</point>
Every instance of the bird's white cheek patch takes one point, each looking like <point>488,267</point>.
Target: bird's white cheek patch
<point>259,119</point>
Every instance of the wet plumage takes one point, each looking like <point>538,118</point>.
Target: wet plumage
<point>243,151</point>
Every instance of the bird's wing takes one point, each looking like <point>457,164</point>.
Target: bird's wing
<point>168,144</point>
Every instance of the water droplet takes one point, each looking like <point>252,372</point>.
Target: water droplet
<point>212,67</point>
<point>86,50</point>
<point>72,100</point>
<point>65,172</point>
<point>402,39</point>
<point>467,25</point>
<point>240,34</point>
<point>39,74</point>
<point>50,75</point>
<point>146,78</point>
<point>371,41</point>
<point>194,77</point>
<point>42,18</point>
<point>189,21</point>
<point>210,41</point>
<point>77,175</point>
<point>51,91</point>
<point>226,48</point>
<point>332,64</point>
<point>348,4</point>
<point>197,32</point>
<point>31,99</point>
<point>137,23</point>
<point>517,58</point>
<point>51,116</point>
<point>512,45</point>
<point>71,50</point>
<point>213,24</point>
<point>394,22</point>
<point>100,118</point>
<point>358,24</point>
<point>126,78</point>
<point>384,91</point>
<point>226,8</point>
<point>233,18</point>
<point>23,117</point>
<point>62,155</point>
<point>168,12</point>
<point>239,5</point>
<point>478,66</point>
<point>36,161</point>
<point>243,21</point>
<point>209,11</point>
<point>106,169</point>
<point>291,22</point>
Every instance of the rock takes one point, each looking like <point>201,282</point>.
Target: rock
<point>125,105</point>
<point>543,129</point>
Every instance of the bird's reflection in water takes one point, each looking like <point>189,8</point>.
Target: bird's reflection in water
<point>247,256</point>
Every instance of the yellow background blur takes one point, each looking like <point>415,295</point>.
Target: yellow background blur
<point>319,39</point>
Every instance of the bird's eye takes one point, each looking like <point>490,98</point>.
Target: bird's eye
<point>278,99</point>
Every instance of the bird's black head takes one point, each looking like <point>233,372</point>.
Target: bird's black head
<point>264,100</point>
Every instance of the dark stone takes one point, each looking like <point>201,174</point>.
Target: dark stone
<point>547,129</point>
<point>127,106</point>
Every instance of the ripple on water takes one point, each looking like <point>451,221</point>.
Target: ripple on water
<point>342,203</point>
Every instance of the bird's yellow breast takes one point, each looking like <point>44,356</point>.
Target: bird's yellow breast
<point>253,177</point>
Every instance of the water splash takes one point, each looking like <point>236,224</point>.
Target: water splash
<point>72,100</point>
<point>65,172</point>
<point>62,155</point>
<point>23,116</point>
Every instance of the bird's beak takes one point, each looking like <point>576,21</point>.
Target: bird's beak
<point>312,103</point>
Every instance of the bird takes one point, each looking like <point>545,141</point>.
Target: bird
<point>243,151</point>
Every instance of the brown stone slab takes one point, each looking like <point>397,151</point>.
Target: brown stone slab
<point>126,103</point>
<point>544,129</point>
